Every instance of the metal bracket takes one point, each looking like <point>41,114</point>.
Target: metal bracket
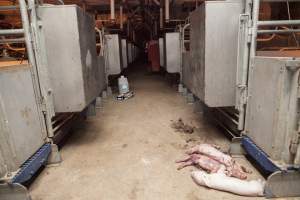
<point>292,65</point>
<point>109,91</point>
<point>54,157</point>
<point>180,88</point>
<point>190,98</point>
<point>198,106</point>
<point>99,102</point>
<point>91,109</point>
<point>236,146</point>
<point>14,191</point>
<point>283,184</point>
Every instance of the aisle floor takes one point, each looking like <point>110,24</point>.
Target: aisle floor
<point>128,150</point>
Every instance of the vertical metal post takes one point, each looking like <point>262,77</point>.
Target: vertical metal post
<point>252,53</point>
<point>243,62</point>
<point>112,9</point>
<point>28,39</point>
<point>246,54</point>
<point>121,17</point>
<point>255,14</point>
<point>32,60</point>
<point>161,18</point>
<point>106,56</point>
<point>182,48</point>
<point>41,66</point>
<point>167,10</point>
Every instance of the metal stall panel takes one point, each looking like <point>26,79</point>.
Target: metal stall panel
<point>172,52</point>
<point>129,51</point>
<point>161,52</point>
<point>124,53</point>
<point>71,55</point>
<point>102,77</point>
<point>21,132</point>
<point>186,62</point>
<point>114,54</point>
<point>214,37</point>
<point>272,118</point>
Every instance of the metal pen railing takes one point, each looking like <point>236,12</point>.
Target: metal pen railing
<point>247,47</point>
<point>36,59</point>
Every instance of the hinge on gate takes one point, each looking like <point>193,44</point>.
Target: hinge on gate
<point>249,35</point>
<point>43,104</point>
<point>243,93</point>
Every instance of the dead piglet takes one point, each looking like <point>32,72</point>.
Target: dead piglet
<point>232,168</point>
<point>201,161</point>
<point>212,152</point>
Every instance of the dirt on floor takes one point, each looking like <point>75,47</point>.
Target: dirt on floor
<point>127,151</point>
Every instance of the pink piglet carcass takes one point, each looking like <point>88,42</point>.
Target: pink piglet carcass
<point>212,152</point>
<point>202,161</point>
<point>232,168</point>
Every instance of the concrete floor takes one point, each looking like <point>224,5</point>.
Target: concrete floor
<point>128,151</point>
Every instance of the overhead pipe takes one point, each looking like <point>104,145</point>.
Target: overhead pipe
<point>112,9</point>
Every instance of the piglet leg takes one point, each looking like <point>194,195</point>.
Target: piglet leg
<point>185,164</point>
<point>185,159</point>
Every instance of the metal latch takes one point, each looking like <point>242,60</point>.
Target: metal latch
<point>292,65</point>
